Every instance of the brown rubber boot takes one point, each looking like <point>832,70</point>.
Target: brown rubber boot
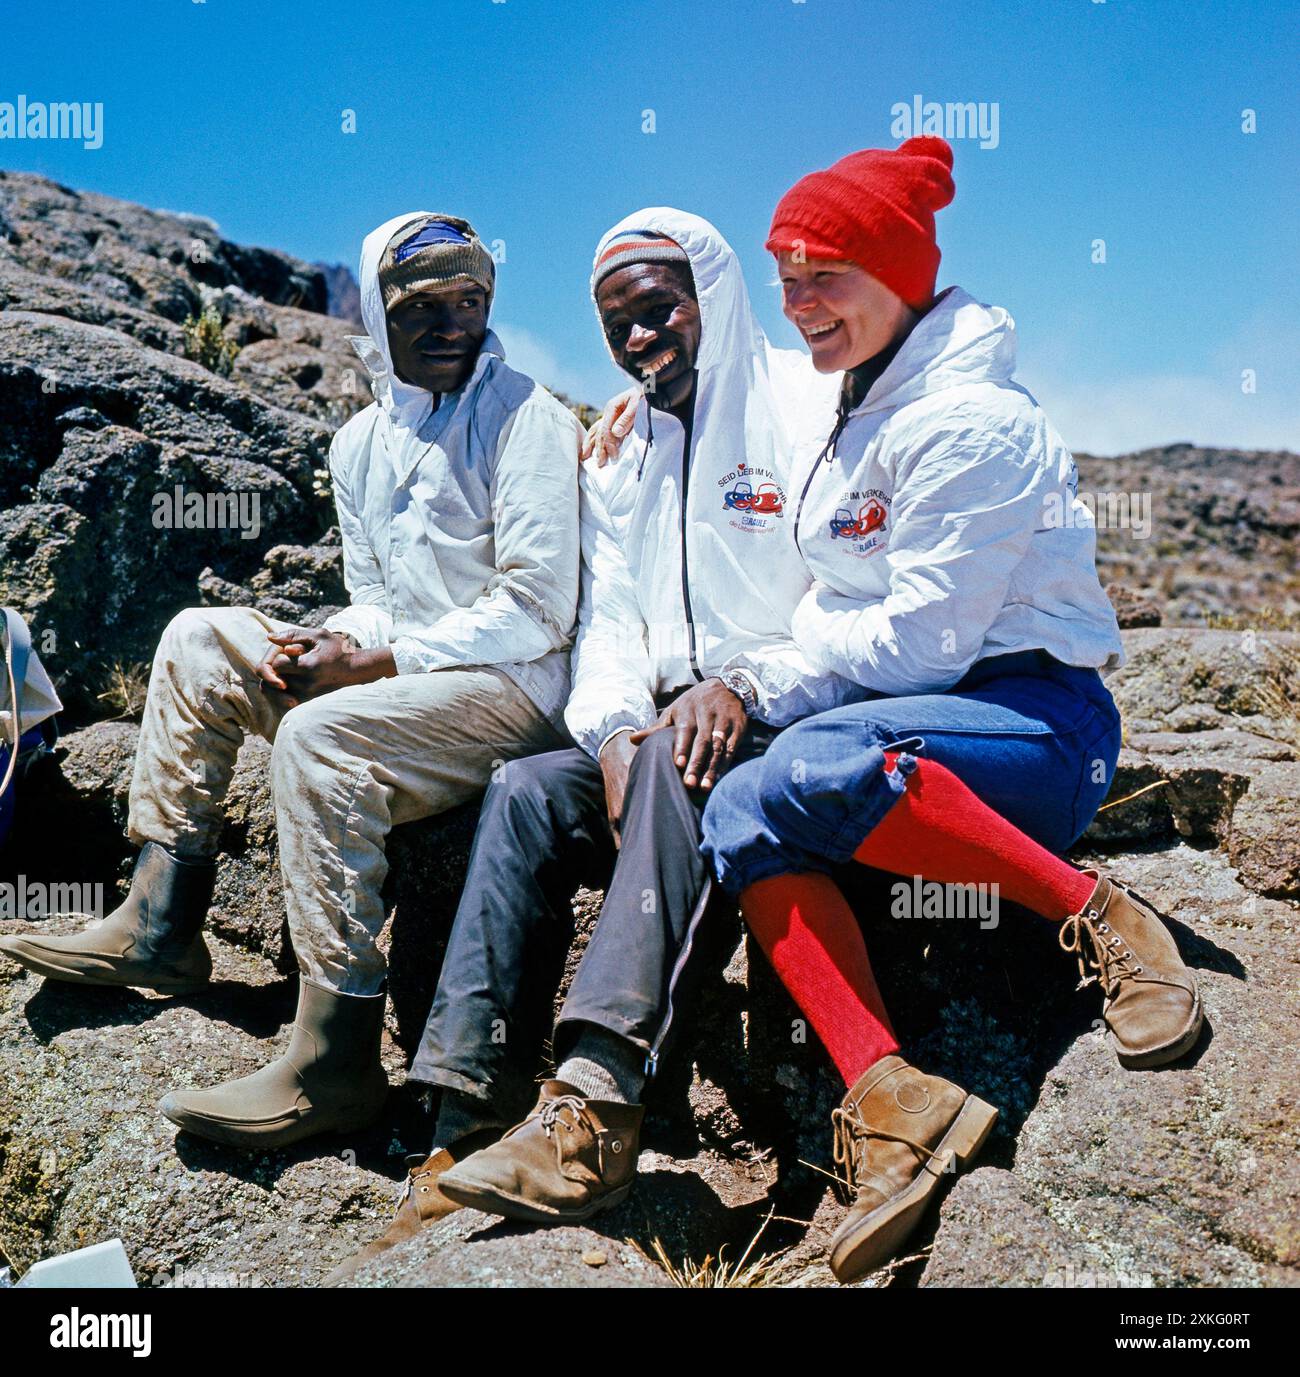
<point>568,1159</point>
<point>421,1203</point>
<point>898,1134</point>
<point>1152,1004</point>
<point>152,940</point>
<point>329,1079</point>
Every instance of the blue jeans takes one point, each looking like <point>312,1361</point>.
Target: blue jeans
<point>1034,739</point>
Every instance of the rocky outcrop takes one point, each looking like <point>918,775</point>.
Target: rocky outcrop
<point>1187,681</point>
<point>1095,1175</point>
<point>105,423</point>
<point>1182,1177</point>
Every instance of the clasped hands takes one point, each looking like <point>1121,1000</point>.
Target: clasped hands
<point>306,662</point>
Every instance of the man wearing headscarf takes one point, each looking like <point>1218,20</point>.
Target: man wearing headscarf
<point>457,503</point>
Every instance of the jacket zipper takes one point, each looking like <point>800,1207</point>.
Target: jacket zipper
<point>684,956</point>
<point>687,446</point>
<point>827,454</point>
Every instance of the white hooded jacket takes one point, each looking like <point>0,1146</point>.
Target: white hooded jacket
<point>689,567</point>
<point>944,525</point>
<point>460,524</point>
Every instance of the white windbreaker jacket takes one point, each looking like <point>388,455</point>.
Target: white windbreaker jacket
<point>688,564</point>
<point>460,525</point>
<point>944,526</point>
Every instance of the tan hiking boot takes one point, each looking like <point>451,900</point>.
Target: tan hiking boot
<point>568,1159</point>
<point>1152,1004</point>
<point>898,1135</point>
<point>152,940</point>
<point>421,1203</point>
<point>329,1080</point>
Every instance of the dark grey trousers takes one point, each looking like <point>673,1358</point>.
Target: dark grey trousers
<point>543,832</point>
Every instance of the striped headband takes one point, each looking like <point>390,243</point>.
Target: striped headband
<point>636,246</point>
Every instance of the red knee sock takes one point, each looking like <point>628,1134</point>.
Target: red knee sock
<point>812,938</point>
<point>939,829</point>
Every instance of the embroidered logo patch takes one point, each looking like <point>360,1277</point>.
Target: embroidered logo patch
<point>753,496</point>
<point>861,521</point>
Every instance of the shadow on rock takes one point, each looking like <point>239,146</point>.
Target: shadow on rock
<point>366,1148</point>
<point>58,1007</point>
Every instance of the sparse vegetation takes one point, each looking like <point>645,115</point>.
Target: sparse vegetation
<point>206,342</point>
<point>125,689</point>
<point>1267,618</point>
<point>762,1269</point>
<point>1278,693</point>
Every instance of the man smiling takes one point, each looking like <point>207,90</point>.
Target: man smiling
<point>457,502</point>
<point>683,663</point>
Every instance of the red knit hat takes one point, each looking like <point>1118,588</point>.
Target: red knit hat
<point>875,208</point>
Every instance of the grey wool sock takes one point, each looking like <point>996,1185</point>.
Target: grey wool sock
<point>604,1066</point>
<point>460,1115</point>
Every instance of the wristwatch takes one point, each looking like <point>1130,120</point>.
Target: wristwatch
<point>743,687</point>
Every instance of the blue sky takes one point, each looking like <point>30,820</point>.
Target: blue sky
<point>1119,121</point>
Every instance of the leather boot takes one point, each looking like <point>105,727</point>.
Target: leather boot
<point>152,940</point>
<point>421,1203</point>
<point>329,1079</point>
<point>568,1159</point>
<point>898,1135</point>
<point>1152,1004</point>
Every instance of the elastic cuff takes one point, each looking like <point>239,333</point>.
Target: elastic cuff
<point>406,660</point>
<point>618,731</point>
<point>738,878</point>
<point>860,826</point>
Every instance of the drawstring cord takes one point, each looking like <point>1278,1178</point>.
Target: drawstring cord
<point>649,438</point>
<point>828,454</point>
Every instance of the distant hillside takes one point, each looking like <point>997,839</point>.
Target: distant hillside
<point>1222,537</point>
<point>343,291</point>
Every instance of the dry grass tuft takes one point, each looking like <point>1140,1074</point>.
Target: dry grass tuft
<point>125,689</point>
<point>748,1272</point>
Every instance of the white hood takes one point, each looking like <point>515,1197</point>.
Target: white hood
<point>404,407</point>
<point>958,341</point>
<point>736,362</point>
<point>703,542</point>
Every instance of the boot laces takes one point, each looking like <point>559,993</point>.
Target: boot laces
<point>1103,958</point>
<point>553,1119</point>
<point>852,1136</point>
<point>412,1176</point>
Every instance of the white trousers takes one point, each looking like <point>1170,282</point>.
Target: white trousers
<point>345,768</point>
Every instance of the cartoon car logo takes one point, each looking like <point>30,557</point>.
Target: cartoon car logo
<point>870,518</point>
<point>767,501</point>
